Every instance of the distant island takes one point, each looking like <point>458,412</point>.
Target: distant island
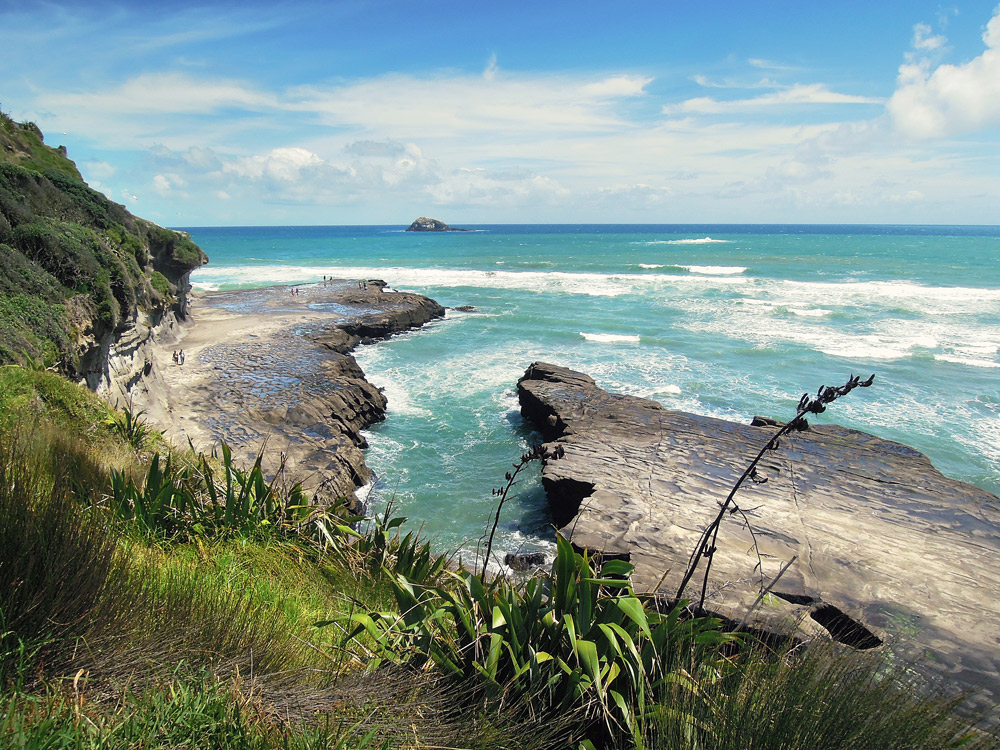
<point>425,224</point>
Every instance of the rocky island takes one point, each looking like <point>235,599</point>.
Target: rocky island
<point>426,224</point>
<point>890,553</point>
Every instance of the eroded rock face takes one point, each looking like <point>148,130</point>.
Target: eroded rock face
<point>888,549</point>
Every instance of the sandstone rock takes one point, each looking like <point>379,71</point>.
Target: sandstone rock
<point>888,549</point>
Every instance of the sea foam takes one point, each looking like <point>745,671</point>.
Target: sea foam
<point>610,338</point>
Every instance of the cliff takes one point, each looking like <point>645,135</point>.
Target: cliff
<point>84,284</point>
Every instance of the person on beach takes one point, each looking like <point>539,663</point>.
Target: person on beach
<point>175,357</point>
<point>180,357</point>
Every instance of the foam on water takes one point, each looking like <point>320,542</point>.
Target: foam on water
<point>611,338</point>
<point>693,241</point>
<point>716,270</point>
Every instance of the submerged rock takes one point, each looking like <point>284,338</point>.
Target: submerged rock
<point>888,549</point>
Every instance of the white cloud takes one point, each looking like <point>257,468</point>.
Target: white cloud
<point>616,87</point>
<point>98,169</point>
<point>281,165</point>
<point>948,100</point>
<point>161,185</point>
<point>799,94</point>
<point>452,106</point>
<point>490,73</point>
<point>165,93</point>
<point>924,39</point>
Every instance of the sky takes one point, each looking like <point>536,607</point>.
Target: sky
<point>473,112</point>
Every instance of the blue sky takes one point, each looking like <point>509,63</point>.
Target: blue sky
<point>375,112</point>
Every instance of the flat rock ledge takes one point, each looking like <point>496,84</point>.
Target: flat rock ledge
<point>890,553</point>
<point>268,367</point>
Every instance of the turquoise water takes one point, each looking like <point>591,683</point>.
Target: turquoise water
<point>727,321</point>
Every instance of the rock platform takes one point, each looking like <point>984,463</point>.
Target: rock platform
<point>890,553</point>
<point>269,367</point>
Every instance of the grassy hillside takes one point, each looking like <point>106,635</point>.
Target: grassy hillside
<point>74,266</point>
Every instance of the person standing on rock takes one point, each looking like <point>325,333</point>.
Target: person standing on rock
<point>180,357</point>
<point>175,357</point>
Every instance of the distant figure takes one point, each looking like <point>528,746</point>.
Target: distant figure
<point>180,357</point>
<point>366,286</point>
<point>176,360</point>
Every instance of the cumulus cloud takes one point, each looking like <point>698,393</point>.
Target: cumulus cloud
<point>948,100</point>
<point>925,39</point>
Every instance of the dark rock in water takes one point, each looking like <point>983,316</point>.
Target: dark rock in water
<point>888,549</point>
<point>426,224</point>
<point>523,561</point>
<point>466,308</point>
<point>769,422</point>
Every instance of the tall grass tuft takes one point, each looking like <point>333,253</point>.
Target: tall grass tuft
<point>55,561</point>
<point>579,640</point>
<point>822,697</point>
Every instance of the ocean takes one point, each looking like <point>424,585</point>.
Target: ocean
<point>726,321</point>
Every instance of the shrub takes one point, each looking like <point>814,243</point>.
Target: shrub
<point>160,283</point>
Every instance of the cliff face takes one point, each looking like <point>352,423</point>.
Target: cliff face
<point>84,284</point>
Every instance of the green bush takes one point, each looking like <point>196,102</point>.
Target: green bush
<point>32,329</point>
<point>160,283</point>
<point>578,640</point>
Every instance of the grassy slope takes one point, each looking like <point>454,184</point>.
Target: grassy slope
<point>73,263</point>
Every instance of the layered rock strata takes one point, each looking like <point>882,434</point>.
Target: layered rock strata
<point>266,367</point>
<point>887,549</point>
